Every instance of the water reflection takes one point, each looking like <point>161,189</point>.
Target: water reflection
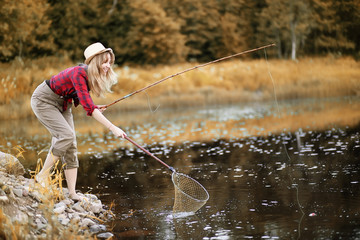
<point>260,169</point>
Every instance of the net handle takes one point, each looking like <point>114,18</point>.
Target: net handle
<point>150,154</point>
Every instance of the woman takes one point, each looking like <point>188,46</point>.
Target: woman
<point>52,100</point>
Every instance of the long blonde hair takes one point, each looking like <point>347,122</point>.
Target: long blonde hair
<point>100,84</point>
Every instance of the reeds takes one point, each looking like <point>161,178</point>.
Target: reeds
<point>224,82</point>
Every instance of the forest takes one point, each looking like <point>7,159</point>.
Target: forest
<point>152,32</point>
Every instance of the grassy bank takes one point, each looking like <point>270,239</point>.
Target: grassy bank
<point>220,83</point>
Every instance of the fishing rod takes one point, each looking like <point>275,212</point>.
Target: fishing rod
<point>187,70</point>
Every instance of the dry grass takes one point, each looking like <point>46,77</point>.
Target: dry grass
<point>12,228</point>
<point>225,82</point>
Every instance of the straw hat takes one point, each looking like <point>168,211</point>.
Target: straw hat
<point>93,50</point>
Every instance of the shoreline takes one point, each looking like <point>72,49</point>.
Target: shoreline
<point>234,81</point>
<point>29,210</point>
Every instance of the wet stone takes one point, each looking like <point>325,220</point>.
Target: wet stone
<point>105,235</point>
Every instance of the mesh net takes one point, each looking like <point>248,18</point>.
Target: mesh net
<point>190,195</point>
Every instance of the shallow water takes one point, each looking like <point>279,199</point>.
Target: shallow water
<point>292,174</point>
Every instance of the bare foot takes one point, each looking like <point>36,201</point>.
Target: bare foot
<point>75,197</point>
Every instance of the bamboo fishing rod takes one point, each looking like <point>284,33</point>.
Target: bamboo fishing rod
<point>187,70</point>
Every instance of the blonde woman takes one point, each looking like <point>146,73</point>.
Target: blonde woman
<point>52,100</point>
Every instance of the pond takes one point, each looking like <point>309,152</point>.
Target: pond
<point>272,172</point>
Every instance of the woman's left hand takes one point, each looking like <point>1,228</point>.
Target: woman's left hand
<point>102,108</point>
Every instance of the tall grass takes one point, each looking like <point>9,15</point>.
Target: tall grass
<point>225,82</point>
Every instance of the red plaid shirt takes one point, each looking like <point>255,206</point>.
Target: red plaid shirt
<point>72,84</point>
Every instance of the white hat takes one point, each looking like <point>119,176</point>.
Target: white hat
<point>93,50</point>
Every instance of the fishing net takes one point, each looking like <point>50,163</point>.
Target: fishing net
<point>190,195</point>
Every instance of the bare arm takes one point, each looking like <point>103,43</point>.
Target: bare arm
<point>97,114</point>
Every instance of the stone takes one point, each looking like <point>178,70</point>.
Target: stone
<point>60,204</point>
<point>18,192</point>
<point>25,192</point>
<point>35,205</point>
<point>66,201</point>
<point>91,196</point>
<point>21,217</point>
<point>102,227</point>
<point>77,207</point>
<point>40,226</point>
<point>86,222</point>
<point>11,164</point>
<point>2,193</point>
<point>36,196</point>
<point>105,235</point>
<point>59,209</point>
<point>95,228</point>
<point>95,207</point>
<point>4,199</point>
<point>63,219</point>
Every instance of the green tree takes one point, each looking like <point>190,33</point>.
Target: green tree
<point>24,29</point>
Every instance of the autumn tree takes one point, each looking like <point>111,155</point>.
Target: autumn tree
<point>146,35</point>
<point>328,33</point>
<point>287,23</point>
<point>235,26</point>
<point>75,25</point>
<point>349,12</point>
<point>24,29</point>
<point>200,23</point>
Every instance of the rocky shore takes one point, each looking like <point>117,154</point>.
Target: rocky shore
<point>31,211</point>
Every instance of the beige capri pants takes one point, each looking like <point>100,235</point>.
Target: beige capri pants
<point>48,108</point>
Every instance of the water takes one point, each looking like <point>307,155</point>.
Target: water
<point>269,176</point>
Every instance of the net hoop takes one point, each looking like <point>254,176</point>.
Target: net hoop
<point>199,187</point>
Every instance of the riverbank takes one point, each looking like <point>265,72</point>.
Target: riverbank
<point>226,82</point>
<point>30,211</point>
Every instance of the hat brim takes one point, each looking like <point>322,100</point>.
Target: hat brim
<point>88,60</point>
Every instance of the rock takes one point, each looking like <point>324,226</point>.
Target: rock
<point>66,201</point>
<point>95,207</point>
<point>59,209</point>
<point>95,228</point>
<point>25,192</point>
<point>11,164</point>
<point>18,192</point>
<point>76,219</point>
<point>4,199</point>
<point>60,204</point>
<point>2,193</point>
<point>40,226</point>
<point>105,235</point>
<point>77,207</point>
<point>21,217</point>
<point>25,202</point>
<point>36,195</point>
<point>102,227</point>
<point>43,220</point>
<point>86,222</point>
<point>35,205</point>
<point>91,196</point>
<point>63,219</point>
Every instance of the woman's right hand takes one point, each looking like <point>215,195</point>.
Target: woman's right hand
<point>117,131</point>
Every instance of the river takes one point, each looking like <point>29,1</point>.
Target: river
<point>272,172</point>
